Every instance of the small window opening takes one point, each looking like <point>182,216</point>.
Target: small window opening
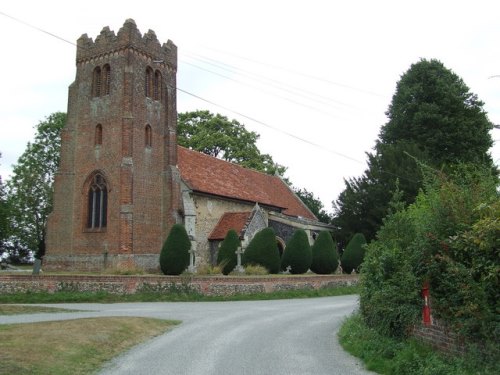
<point>148,136</point>
<point>98,135</point>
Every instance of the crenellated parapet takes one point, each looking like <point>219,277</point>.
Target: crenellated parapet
<point>128,37</point>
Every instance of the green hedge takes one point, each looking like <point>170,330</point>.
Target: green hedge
<point>354,253</point>
<point>325,258</point>
<point>263,250</point>
<point>174,256</point>
<point>297,254</point>
<point>227,258</point>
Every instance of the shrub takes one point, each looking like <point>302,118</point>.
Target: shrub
<point>297,254</point>
<point>262,250</point>
<point>226,258</point>
<point>256,270</point>
<point>174,256</point>
<point>325,258</point>
<point>354,253</point>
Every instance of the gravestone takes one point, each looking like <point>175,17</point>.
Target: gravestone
<point>37,266</point>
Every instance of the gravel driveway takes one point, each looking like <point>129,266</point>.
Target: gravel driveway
<point>277,337</point>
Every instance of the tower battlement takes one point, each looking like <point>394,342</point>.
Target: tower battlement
<point>128,37</point>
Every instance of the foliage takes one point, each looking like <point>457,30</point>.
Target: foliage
<point>174,256</point>
<point>31,187</point>
<point>256,270</point>
<point>227,258</point>
<point>433,118</point>
<point>263,250</point>
<point>388,355</point>
<point>448,237</point>
<point>297,256</point>
<point>4,217</point>
<point>225,139</point>
<point>325,258</point>
<point>314,204</point>
<point>354,253</point>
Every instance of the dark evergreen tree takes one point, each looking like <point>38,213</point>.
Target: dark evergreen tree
<point>297,254</point>
<point>433,118</point>
<point>263,251</point>
<point>174,256</point>
<point>354,253</point>
<point>325,258</point>
<point>226,258</point>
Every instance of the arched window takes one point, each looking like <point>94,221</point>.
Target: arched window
<point>148,87</point>
<point>106,78</point>
<point>97,203</point>
<point>148,137</point>
<point>98,135</point>
<point>96,82</point>
<point>157,86</point>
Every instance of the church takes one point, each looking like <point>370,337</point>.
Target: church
<point>123,181</point>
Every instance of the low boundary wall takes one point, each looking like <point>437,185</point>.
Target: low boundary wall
<point>207,285</point>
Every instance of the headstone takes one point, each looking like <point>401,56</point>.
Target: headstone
<point>37,266</point>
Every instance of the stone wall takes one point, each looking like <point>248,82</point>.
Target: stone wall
<point>209,285</point>
<point>440,337</point>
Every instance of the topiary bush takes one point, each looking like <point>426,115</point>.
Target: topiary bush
<point>226,258</point>
<point>325,258</point>
<point>354,253</point>
<point>262,250</point>
<point>297,254</point>
<point>174,256</point>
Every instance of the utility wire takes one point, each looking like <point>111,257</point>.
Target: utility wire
<point>223,107</point>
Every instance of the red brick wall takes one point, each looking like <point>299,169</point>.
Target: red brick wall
<point>140,206</point>
<point>204,285</point>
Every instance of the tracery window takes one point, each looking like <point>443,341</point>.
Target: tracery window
<point>97,203</point>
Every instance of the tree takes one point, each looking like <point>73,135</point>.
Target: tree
<point>263,251</point>
<point>4,217</point>
<point>227,258</point>
<point>30,189</point>
<point>297,253</point>
<point>314,204</point>
<point>174,255</point>
<point>325,258</point>
<point>434,119</point>
<point>225,139</point>
<point>434,109</point>
<point>354,253</point>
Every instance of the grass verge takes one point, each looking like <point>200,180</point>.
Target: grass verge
<point>23,309</point>
<point>73,347</point>
<point>386,355</point>
<point>179,295</point>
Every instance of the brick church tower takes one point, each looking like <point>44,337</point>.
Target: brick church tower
<point>116,193</point>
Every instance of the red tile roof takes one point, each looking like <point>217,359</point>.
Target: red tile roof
<point>230,220</point>
<point>206,174</point>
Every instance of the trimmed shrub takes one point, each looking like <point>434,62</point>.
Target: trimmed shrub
<point>226,258</point>
<point>262,250</point>
<point>325,258</point>
<point>297,254</point>
<point>354,253</point>
<point>174,256</point>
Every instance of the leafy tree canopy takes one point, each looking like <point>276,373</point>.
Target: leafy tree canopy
<point>314,204</point>
<point>225,139</point>
<point>31,187</point>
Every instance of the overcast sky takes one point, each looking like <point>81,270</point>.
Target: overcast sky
<point>313,78</point>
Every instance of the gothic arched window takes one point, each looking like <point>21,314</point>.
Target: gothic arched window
<point>96,82</point>
<point>157,86</point>
<point>148,136</point>
<point>97,203</point>
<point>106,79</point>
<point>148,87</point>
<point>98,135</point>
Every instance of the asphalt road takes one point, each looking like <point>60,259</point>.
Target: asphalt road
<point>221,338</point>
